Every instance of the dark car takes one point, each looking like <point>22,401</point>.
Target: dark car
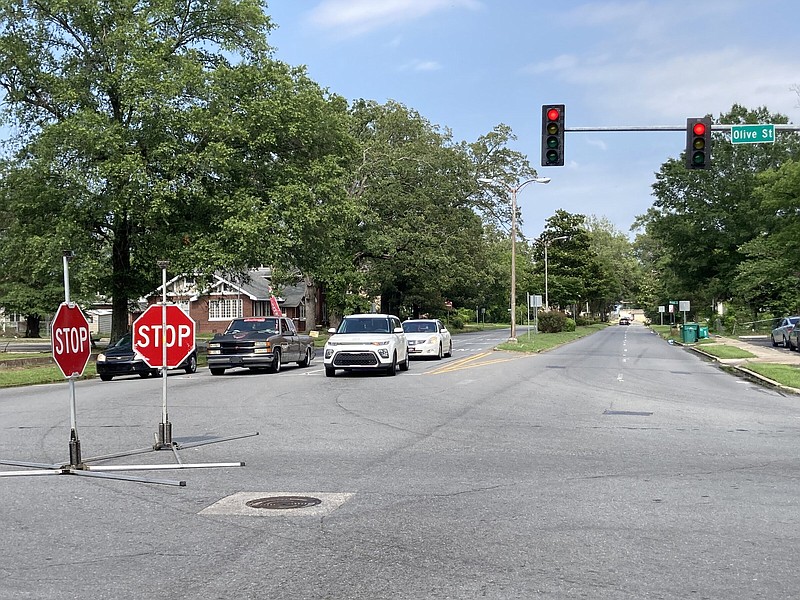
<point>624,321</point>
<point>120,359</point>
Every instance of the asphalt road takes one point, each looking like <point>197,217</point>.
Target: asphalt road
<point>617,466</point>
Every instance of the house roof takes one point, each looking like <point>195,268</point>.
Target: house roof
<point>256,286</point>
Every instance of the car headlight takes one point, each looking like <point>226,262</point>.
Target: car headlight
<point>101,357</point>
<point>262,348</point>
<point>433,340</point>
<point>383,343</point>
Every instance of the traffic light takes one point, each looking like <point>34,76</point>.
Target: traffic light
<point>698,143</point>
<point>553,135</point>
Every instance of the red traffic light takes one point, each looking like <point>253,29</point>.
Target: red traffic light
<point>553,135</point>
<point>698,143</point>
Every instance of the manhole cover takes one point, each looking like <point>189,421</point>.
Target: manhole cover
<point>283,502</point>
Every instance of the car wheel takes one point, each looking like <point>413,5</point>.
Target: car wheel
<point>441,352</point>
<point>275,367</point>
<point>772,339</point>
<point>306,359</point>
<point>217,371</point>
<point>404,366</point>
<point>330,371</point>
<point>144,375</point>
<point>392,368</point>
<point>106,377</point>
<point>191,365</point>
<point>785,343</point>
<point>450,350</point>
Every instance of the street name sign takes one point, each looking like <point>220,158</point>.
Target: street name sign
<point>753,134</point>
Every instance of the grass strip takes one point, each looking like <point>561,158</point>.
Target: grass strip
<point>537,342</point>
<point>725,351</point>
<point>788,375</point>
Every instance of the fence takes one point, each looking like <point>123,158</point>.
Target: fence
<point>763,327</point>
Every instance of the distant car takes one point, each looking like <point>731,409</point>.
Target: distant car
<point>624,321</point>
<point>367,342</point>
<point>428,337</point>
<point>783,327</point>
<point>120,359</point>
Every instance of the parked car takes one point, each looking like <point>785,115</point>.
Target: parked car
<point>367,342</point>
<point>783,327</point>
<point>624,321</point>
<point>259,343</point>
<point>793,341</point>
<point>428,337</point>
<point>120,359</point>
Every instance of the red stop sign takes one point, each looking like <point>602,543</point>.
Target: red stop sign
<point>150,336</point>
<point>72,344</point>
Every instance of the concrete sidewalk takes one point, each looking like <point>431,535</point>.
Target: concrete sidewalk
<point>762,354</point>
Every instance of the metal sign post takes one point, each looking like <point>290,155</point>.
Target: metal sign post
<point>69,351</point>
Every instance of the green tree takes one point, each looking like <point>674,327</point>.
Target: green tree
<point>167,131</point>
<point>415,231</point>
<point>768,277</point>
<point>701,220</point>
<point>571,264</point>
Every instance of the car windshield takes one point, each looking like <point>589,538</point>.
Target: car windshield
<point>123,342</point>
<point>365,325</point>
<point>419,327</point>
<point>248,325</point>
<point>794,320</point>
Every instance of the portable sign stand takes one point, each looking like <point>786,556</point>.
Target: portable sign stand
<point>72,353</point>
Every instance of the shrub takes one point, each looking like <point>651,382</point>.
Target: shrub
<point>455,322</point>
<point>569,325</point>
<point>553,322</point>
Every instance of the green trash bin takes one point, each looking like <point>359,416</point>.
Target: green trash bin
<point>703,332</point>
<point>689,333</point>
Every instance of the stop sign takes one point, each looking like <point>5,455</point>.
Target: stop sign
<point>72,344</point>
<point>150,336</point>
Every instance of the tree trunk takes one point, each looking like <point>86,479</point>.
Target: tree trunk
<point>120,278</point>
<point>311,303</point>
<point>32,323</point>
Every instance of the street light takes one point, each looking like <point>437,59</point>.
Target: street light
<point>546,244</point>
<point>514,191</point>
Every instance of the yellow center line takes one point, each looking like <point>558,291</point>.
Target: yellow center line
<point>465,363</point>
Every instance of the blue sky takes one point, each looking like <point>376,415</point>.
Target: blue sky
<point>469,65</point>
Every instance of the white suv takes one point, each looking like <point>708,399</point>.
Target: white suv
<point>367,342</point>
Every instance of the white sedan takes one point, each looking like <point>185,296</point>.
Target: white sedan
<point>428,337</point>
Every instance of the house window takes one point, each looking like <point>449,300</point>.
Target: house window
<point>261,308</point>
<point>224,309</point>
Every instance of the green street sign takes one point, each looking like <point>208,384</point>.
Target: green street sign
<point>753,134</point>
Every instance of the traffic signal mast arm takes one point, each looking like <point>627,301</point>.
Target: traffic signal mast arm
<point>714,127</point>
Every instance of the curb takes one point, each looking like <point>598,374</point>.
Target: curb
<point>745,372</point>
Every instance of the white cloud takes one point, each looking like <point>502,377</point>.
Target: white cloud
<point>597,143</point>
<point>354,17</point>
<point>421,65</point>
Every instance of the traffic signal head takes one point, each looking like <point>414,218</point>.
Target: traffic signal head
<point>553,135</point>
<point>698,143</point>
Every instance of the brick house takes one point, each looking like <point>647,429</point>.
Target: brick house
<point>223,299</point>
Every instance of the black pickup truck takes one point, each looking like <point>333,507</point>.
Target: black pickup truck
<point>259,343</point>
